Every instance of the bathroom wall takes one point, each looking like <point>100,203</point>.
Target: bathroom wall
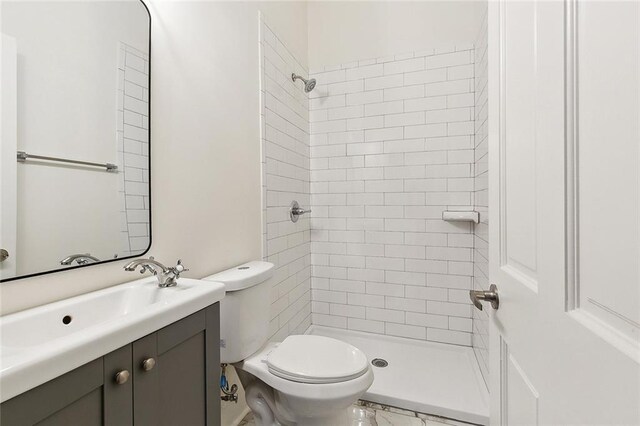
<point>205,143</point>
<point>391,148</point>
<point>285,177</point>
<point>481,199</point>
<point>371,29</point>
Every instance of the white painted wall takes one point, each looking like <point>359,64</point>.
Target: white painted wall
<point>67,69</point>
<point>205,143</point>
<point>344,31</point>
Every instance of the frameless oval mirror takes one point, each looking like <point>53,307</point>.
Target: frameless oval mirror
<point>74,158</point>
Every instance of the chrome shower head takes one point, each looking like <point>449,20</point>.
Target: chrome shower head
<point>308,84</point>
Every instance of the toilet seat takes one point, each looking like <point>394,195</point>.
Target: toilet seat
<point>316,360</point>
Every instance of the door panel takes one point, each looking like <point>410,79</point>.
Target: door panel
<point>607,134</point>
<point>563,155</point>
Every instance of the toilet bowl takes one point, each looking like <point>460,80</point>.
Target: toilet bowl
<point>304,380</point>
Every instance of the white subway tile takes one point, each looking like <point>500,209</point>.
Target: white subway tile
<point>460,72</point>
<point>365,123</point>
<point>406,92</point>
<point>427,293</point>
<point>384,185</point>
<point>428,76</point>
<point>427,320</point>
<point>404,198</point>
<point>383,134</point>
<point>408,278</point>
<point>385,315</point>
<point>348,286</point>
<point>404,251</point>
<point>367,71</point>
<point>448,336</point>
<point>382,108</point>
<point>361,98</point>
<point>330,76</point>
<point>448,88</point>
<point>329,296</point>
<point>417,265</point>
<point>346,112</point>
<point>369,300</point>
<point>327,102</point>
<point>368,326</point>
<point>404,119</point>
<point>366,148</point>
<point>385,289</point>
<point>449,60</point>
<point>425,131</point>
<point>425,104</point>
<point>329,320</point>
<point>404,66</point>
<point>448,115</point>
<point>384,160</point>
<point>385,262</point>
<point>384,82</point>
<point>345,137</point>
<point>404,172</point>
<point>415,146</point>
<point>347,310</point>
<point>403,330</point>
<point>384,237</point>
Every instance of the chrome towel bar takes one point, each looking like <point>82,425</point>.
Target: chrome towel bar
<point>23,156</point>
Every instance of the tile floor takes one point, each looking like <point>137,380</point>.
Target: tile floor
<point>371,414</point>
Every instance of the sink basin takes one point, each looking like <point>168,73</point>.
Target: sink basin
<point>42,343</point>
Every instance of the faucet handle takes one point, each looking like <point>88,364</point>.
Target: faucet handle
<point>180,267</point>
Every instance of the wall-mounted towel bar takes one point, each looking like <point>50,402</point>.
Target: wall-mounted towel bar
<point>23,156</point>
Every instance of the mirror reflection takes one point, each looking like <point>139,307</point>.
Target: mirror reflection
<point>74,162</point>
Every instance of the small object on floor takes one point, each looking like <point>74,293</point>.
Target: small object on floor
<point>365,413</point>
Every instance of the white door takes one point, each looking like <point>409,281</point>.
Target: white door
<point>8,148</point>
<point>564,212</point>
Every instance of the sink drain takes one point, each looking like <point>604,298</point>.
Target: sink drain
<point>379,362</point>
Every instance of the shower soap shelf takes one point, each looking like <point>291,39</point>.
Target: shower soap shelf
<point>454,216</point>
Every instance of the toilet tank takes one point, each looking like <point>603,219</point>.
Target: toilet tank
<point>244,310</point>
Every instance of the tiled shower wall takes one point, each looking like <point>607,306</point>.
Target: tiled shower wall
<point>133,149</point>
<point>481,201</point>
<point>392,147</point>
<point>285,177</point>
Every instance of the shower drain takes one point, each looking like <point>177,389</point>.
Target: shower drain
<point>379,362</point>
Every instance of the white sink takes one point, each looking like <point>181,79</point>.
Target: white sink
<point>42,343</point>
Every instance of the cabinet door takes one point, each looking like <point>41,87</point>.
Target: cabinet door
<point>85,396</point>
<point>182,385</point>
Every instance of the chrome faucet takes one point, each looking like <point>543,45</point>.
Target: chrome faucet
<point>81,259</point>
<point>167,277</point>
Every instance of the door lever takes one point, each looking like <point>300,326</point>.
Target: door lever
<point>486,296</point>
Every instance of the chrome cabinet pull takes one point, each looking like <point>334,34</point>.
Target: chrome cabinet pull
<point>148,364</point>
<point>477,296</point>
<point>122,377</point>
<point>3,255</point>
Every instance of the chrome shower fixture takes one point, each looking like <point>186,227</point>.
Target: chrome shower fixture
<point>308,84</point>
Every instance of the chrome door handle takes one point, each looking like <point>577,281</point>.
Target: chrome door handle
<point>486,296</point>
<point>3,255</point>
<point>295,211</point>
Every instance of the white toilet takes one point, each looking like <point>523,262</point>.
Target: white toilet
<point>304,380</point>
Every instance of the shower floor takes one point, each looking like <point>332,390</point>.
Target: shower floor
<point>427,377</point>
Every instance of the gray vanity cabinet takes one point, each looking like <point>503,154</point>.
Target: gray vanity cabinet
<point>172,380</point>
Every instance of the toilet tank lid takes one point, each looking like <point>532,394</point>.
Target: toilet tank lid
<point>243,276</point>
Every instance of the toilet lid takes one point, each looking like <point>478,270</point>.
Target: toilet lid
<point>316,359</point>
